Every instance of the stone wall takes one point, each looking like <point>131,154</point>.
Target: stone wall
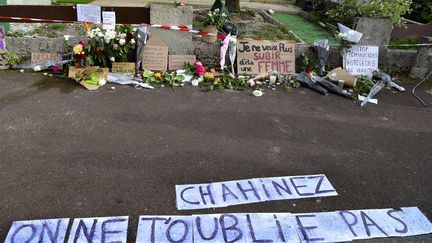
<point>178,42</point>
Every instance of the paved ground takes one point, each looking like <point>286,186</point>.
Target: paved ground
<point>251,5</point>
<point>68,152</point>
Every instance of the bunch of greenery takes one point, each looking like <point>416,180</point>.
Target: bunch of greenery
<point>394,10</point>
<point>215,18</point>
<point>363,86</point>
<point>13,58</point>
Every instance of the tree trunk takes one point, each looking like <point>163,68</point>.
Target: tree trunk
<point>233,5</point>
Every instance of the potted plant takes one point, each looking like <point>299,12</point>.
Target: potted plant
<point>214,20</point>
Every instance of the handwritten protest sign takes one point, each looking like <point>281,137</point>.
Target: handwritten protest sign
<point>39,58</point>
<point>222,194</point>
<point>89,13</point>
<point>108,20</point>
<point>108,229</point>
<point>155,55</point>
<point>44,231</point>
<point>2,39</point>
<point>177,62</point>
<point>336,226</point>
<point>255,57</point>
<point>123,67</point>
<point>362,60</point>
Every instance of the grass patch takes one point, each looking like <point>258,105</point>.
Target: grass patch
<point>306,30</point>
<point>271,32</point>
<point>403,41</point>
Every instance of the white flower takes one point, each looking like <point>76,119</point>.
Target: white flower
<point>257,93</point>
<point>216,10</point>
<point>134,29</point>
<point>112,59</point>
<point>100,34</point>
<point>122,42</point>
<point>195,82</point>
<point>115,46</point>
<point>123,35</point>
<point>224,15</point>
<point>37,68</point>
<point>90,34</point>
<point>102,82</point>
<point>132,42</point>
<point>66,37</point>
<point>251,82</point>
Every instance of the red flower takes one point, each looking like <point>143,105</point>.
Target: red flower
<point>55,69</point>
<point>200,70</point>
<point>309,71</point>
<point>129,37</point>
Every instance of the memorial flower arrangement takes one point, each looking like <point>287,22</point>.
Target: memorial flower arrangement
<point>106,46</point>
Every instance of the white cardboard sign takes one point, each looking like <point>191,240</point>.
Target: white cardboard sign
<point>362,60</point>
<point>38,231</point>
<point>109,20</point>
<point>89,13</point>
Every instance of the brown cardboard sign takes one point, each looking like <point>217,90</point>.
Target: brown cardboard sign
<point>155,55</point>
<point>3,60</point>
<point>177,62</point>
<point>255,57</point>
<point>342,74</point>
<point>123,67</point>
<point>39,58</point>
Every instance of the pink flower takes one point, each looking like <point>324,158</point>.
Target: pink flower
<point>213,70</point>
<point>198,63</point>
<point>55,69</point>
<point>200,70</point>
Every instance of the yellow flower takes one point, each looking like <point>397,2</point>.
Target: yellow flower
<point>217,81</point>
<point>158,75</point>
<point>78,49</point>
<point>209,75</point>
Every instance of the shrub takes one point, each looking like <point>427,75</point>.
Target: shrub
<point>347,10</point>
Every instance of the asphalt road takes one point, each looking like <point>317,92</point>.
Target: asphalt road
<point>68,152</point>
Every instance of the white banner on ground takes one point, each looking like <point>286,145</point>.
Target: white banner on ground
<point>222,194</point>
<point>108,229</point>
<point>338,226</point>
<point>38,231</point>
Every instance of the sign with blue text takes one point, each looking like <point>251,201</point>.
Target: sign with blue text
<point>337,226</point>
<point>223,194</point>
<point>38,231</point>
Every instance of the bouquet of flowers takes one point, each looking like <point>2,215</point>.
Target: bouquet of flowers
<point>215,18</point>
<point>105,47</point>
